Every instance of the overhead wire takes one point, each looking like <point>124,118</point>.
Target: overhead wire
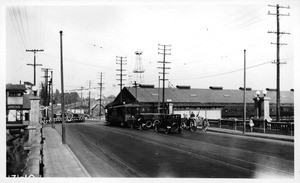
<point>226,25</point>
<point>224,73</point>
<point>18,29</point>
<point>26,18</point>
<point>21,43</point>
<point>22,26</point>
<point>76,61</point>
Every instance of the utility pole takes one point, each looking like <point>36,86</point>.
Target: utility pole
<point>47,86</point>
<point>62,91</point>
<point>164,53</point>
<point>135,86</point>
<point>34,64</point>
<point>244,96</point>
<point>278,44</point>
<point>158,102</point>
<point>100,84</point>
<point>122,61</point>
<point>81,88</point>
<point>89,103</point>
<point>52,116</point>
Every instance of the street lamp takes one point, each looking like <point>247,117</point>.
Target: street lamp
<point>34,89</point>
<point>257,93</point>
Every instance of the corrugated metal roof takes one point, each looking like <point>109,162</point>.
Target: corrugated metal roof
<point>12,87</point>
<point>205,95</point>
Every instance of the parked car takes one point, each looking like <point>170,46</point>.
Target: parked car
<point>168,122</point>
<point>57,118</point>
<point>143,120</point>
<point>77,117</point>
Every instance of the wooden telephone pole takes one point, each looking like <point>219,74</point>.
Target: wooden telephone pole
<point>101,85</point>
<point>278,44</point>
<point>164,53</point>
<point>34,64</point>
<point>121,61</point>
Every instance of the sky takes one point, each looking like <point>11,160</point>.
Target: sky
<point>207,39</point>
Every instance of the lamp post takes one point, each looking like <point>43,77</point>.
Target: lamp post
<point>62,91</point>
<point>257,104</point>
<point>34,89</point>
<point>244,95</point>
<point>262,114</point>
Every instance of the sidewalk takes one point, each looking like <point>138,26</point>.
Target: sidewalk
<point>59,160</point>
<point>253,134</point>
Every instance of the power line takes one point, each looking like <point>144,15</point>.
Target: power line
<point>224,73</point>
<point>85,42</point>
<point>226,26</point>
<point>79,62</point>
<point>14,18</point>
<point>22,26</point>
<point>26,18</point>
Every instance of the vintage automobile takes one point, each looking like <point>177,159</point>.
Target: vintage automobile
<point>168,122</point>
<point>143,121</point>
<point>191,123</point>
<point>57,118</point>
<point>77,117</point>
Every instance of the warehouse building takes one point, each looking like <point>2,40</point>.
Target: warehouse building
<point>211,103</point>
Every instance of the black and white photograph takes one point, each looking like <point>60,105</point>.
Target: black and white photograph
<point>150,91</point>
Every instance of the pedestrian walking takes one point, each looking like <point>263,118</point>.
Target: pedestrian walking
<point>205,125</point>
<point>251,124</point>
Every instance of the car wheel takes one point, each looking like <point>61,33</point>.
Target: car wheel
<point>148,124</point>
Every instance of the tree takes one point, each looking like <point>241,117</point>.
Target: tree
<point>56,97</point>
<point>71,97</point>
<point>43,95</point>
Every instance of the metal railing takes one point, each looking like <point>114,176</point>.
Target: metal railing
<point>283,128</point>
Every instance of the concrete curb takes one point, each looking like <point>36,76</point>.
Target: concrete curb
<point>79,163</point>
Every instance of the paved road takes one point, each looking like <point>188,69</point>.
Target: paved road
<point>121,152</point>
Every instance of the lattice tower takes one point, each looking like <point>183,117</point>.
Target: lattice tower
<point>138,71</point>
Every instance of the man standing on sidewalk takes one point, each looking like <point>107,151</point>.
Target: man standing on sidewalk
<point>251,124</point>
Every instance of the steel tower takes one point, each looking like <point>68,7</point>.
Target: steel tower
<point>138,71</point>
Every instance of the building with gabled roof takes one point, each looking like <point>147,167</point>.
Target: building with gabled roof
<point>214,102</point>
